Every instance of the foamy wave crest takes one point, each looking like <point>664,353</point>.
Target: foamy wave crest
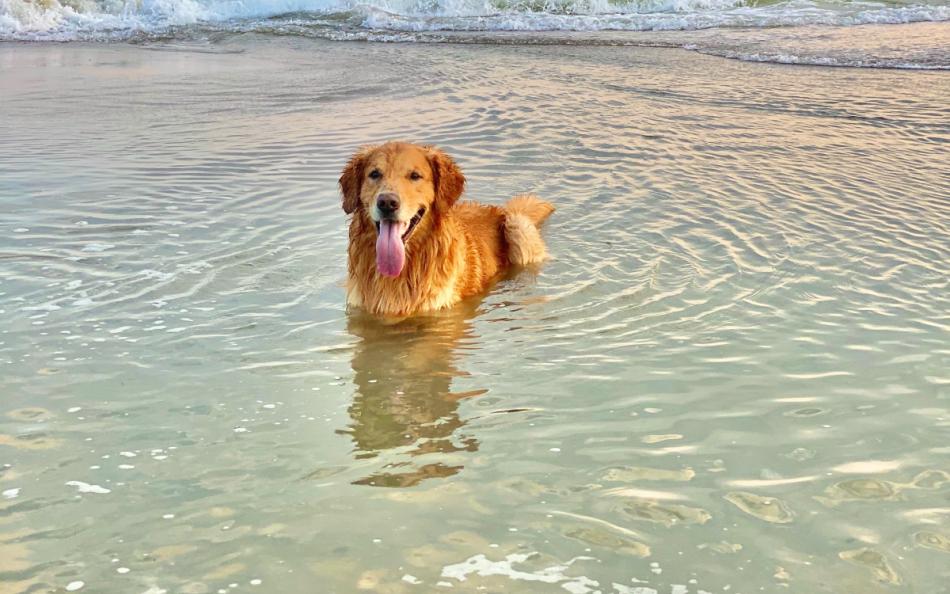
<point>65,20</point>
<point>84,19</point>
<point>676,19</point>
<point>812,60</point>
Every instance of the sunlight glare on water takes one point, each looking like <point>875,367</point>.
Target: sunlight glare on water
<point>731,376</point>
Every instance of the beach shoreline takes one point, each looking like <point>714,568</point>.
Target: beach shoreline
<point>912,46</point>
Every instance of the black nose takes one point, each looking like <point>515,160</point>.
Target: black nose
<point>387,203</point>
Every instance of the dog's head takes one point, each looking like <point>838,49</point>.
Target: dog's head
<point>402,189</point>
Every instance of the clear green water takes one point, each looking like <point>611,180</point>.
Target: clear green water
<point>732,376</point>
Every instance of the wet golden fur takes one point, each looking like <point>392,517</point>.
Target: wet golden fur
<point>456,250</point>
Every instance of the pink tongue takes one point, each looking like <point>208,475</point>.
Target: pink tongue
<point>390,251</point>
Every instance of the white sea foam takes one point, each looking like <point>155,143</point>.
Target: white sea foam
<point>781,58</point>
<point>87,488</point>
<point>65,20</point>
<point>482,566</point>
<point>677,18</point>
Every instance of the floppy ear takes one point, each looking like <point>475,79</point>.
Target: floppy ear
<point>446,177</point>
<point>351,180</point>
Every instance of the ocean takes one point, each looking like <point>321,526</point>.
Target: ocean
<point>826,33</point>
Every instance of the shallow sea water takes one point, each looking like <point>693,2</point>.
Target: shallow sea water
<point>732,376</point>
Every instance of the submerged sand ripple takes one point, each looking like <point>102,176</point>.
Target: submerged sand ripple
<point>873,560</point>
<point>769,509</point>
<point>933,540</point>
<point>666,514</point>
<point>639,473</point>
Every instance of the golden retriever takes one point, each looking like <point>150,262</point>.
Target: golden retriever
<point>413,246</point>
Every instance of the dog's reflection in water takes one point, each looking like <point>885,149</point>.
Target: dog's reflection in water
<point>403,406</point>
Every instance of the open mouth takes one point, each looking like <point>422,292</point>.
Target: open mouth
<point>412,223</point>
<point>391,243</point>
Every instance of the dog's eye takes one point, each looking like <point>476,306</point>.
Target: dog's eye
<point>415,176</point>
<point>375,174</point>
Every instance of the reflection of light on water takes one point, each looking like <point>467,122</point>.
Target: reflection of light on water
<point>479,565</point>
<point>482,566</point>
<point>84,487</point>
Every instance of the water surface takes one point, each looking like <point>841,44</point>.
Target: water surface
<point>732,375</point>
<point>908,34</point>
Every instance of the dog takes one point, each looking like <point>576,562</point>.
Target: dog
<point>413,247</point>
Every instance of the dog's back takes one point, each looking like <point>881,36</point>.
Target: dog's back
<point>499,236</point>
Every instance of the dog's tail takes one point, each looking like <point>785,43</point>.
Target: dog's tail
<point>523,215</point>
